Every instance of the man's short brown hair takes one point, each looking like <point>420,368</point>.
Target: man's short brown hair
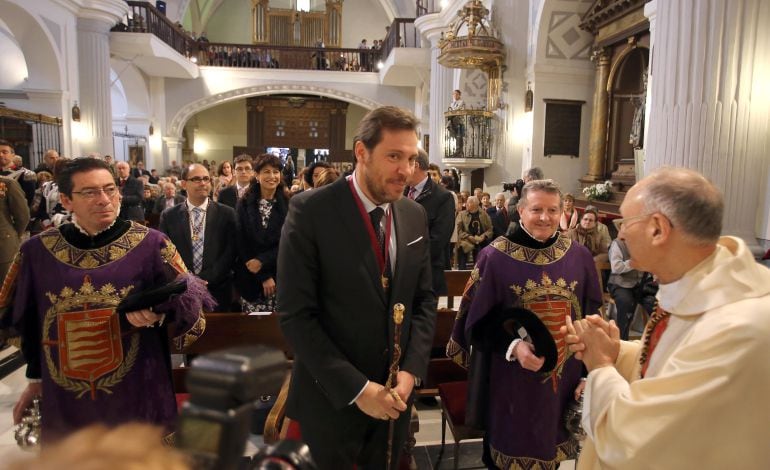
<point>369,130</point>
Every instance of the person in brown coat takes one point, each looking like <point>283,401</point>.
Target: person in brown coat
<point>14,217</point>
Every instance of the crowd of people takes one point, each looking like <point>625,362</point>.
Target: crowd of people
<point>338,253</point>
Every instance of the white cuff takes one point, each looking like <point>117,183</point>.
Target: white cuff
<point>509,354</point>
<point>359,393</point>
<point>34,381</point>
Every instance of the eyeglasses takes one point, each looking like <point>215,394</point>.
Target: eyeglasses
<point>620,223</point>
<point>243,170</point>
<point>199,179</point>
<point>109,191</point>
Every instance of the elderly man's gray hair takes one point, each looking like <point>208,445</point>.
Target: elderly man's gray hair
<point>690,201</point>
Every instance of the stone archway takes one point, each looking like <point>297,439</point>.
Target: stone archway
<point>181,117</point>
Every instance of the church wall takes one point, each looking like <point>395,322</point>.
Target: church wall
<point>45,33</point>
<point>510,17</point>
<point>362,19</point>
<point>231,23</point>
<point>14,66</point>
<point>217,130</point>
<point>354,116</point>
<point>560,69</point>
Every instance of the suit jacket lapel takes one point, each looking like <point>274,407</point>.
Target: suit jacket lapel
<point>183,233</point>
<point>351,219</point>
<point>404,236</point>
<point>209,237</point>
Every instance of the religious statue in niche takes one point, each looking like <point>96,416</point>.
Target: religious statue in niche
<point>637,124</point>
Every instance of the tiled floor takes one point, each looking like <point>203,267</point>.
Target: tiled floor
<point>428,446</point>
<point>10,389</point>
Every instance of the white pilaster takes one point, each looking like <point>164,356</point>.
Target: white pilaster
<point>440,97</point>
<point>710,99</point>
<point>94,71</point>
<point>174,152</point>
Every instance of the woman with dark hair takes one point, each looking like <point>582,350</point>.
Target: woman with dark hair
<point>261,213</point>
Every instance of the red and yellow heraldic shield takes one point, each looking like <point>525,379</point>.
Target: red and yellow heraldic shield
<point>552,313</point>
<point>89,343</point>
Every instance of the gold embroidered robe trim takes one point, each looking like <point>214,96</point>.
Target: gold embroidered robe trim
<point>541,256</point>
<point>63,251</point>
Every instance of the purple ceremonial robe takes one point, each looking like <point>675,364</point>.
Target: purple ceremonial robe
<point>94,365</point>
<point>523,409</point>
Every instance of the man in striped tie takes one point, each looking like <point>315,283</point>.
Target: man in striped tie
<point>203,231</point>
<point>695,388</point>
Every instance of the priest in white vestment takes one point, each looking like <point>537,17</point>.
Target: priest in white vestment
<point>695,391</point>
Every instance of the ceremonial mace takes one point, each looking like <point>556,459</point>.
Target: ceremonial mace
<point>398,318</point>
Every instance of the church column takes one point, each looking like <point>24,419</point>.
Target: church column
<point>174,146</point>
<point>94,75</point>
<point>710,100</point>
<point>440,96</point>
<point>597,146</point>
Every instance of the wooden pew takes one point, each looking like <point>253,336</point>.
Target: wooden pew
<point>441,368</point>
<point>226,330</point>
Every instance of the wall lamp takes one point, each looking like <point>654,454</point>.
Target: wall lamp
<point>529,99</point>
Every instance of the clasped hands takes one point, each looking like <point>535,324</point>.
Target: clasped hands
<point>143,317</point>
<point>593,340</point>
<point>380,402</point>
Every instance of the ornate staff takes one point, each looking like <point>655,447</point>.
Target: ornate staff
<point>398,318</point>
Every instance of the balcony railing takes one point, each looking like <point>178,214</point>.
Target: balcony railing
<point>286,57</point>
<point>143,17</point>
<point>402,34</point>
<point>426,7</point>
<point>469,133</point>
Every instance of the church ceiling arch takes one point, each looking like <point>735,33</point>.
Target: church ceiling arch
<point>185,113</point>
<point>37,44</point>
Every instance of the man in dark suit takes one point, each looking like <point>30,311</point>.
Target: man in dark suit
<point>337,287</point>
<point>499,215</point>
<point>168,199</point>
<point>440,208</point>
<point>204,233</point>
<point>244,172</point>
<point>132,192</point>
<point>139,170</point>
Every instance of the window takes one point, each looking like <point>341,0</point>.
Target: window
<point>303,5</point>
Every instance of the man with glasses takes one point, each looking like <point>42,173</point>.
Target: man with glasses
<point>92,363</point>
<point>204,232</point>
<point>695,388</point>
<point>244,172</point>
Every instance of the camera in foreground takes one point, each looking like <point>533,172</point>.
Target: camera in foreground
<point>215,423</point>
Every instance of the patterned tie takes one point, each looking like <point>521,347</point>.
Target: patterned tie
<point>197,242</point>
<point>376,216</point>
<point>412,193</point>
